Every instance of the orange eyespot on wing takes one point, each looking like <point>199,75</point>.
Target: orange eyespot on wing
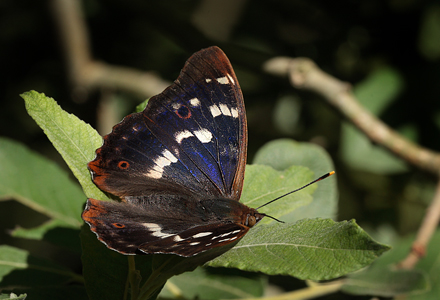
<point>123,165</point>
<point>118,225</point>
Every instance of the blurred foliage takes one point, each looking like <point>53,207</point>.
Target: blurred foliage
<point>366,42</point>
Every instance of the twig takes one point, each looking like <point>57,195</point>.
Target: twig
<point>86,73</point>
<point>304,74</point>
<point>426,230</point>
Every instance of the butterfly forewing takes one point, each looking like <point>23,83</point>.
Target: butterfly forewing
<point>192,136</point>
<point>201,119</point>
<point>133,162</point>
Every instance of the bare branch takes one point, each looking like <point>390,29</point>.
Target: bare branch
<point>304,74</point>
<point>84,72</point>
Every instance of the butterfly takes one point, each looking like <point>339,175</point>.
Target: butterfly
<point>178,167</point>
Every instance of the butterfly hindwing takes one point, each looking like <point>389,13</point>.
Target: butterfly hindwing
<point>145,230</point>
<point>197,239</point>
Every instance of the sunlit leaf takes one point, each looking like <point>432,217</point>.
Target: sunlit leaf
<point>283,153</point>
<point>317,249</point>
<point>75,140</point>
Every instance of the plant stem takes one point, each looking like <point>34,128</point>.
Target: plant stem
<point>152,283</point>
<point>310,292</point>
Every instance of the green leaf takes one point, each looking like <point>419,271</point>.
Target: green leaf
<point>141,107</point>
<point>19,268</point>
<point>38,183</point>
<point>283,153</point>
<point>207,284</point>
<point>317,249</point>
<point>386,282</point>
<point>263,183</point>
<point>75,140</point>
<point>375,93</point>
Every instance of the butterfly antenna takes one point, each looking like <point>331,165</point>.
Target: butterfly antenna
<point>316,180</point>
<point>273,218</point>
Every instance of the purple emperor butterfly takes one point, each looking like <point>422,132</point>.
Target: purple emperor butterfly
<point>178,167</point>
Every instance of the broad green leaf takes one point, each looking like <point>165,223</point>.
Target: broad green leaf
<point>317,249</point>
<point>38,183</point>
<point>19,268</point>
<point>283,153</point>
<point>375,93</point>
<point>386,282</point>
<point>207,284</point>
<point>263,183</point>
<point>75,140</point>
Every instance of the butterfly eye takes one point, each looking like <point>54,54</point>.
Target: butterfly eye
<point>123,165</point>
<point>251,221</point>
<point>118,225</point>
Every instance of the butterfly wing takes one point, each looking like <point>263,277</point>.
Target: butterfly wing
<point>197,239</point>
<point>191,138</point>
<point>133,229</point>
<point>189,144</point>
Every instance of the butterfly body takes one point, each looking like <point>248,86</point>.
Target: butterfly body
<point>178,167</point>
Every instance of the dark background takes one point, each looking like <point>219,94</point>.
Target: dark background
<point>348,39</point>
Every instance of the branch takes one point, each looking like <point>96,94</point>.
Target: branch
<point>86,73</point>
<point>305,75</point>
<point>426,230</point>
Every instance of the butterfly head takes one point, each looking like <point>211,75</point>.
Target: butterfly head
<point>252,217</point>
